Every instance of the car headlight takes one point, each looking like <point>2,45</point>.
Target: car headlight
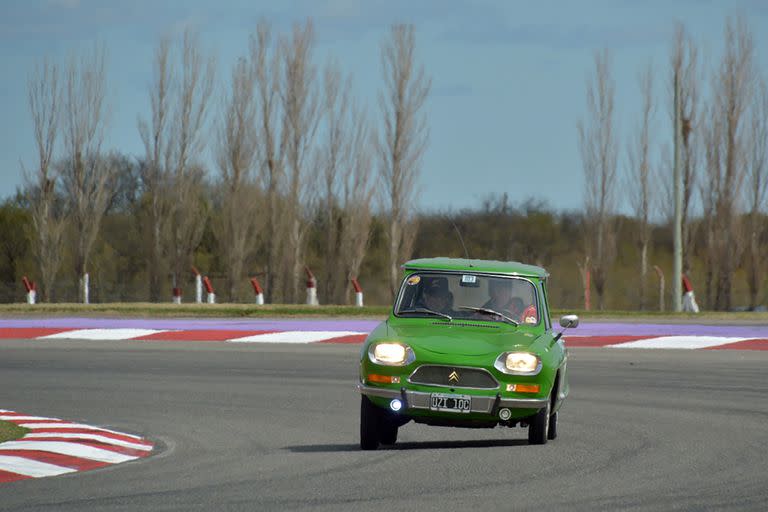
<point>518,363</point>
<point>390,354</point>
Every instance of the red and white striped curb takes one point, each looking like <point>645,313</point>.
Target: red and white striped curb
<point>56,447</point>
<point>241,336</point>
<point>232,336</point>
<point>669,342</point>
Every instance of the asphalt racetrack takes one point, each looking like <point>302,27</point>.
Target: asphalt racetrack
<point>275,427</point>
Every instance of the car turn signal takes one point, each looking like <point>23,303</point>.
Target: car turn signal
<point>523,388</point>
<point>383,379</point>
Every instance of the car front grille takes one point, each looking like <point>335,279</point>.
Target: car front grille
<point>453,377</point>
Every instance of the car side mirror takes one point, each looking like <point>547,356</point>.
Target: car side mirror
<point>569,321</point>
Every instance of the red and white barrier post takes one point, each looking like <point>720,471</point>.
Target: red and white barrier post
<point>257,291</point>
<point>689,299</point>
<point>209,290</point>
<point>358,293</point>
<point>31,291</point>
<point>311,288</point>
<point>176,295</point>
<point>198,286</point>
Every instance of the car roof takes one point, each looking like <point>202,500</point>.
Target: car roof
<point>490,266</point>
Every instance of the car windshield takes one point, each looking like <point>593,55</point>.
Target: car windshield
<point>468,296</point>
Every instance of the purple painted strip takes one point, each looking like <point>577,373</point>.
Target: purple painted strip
<point>276,324</point>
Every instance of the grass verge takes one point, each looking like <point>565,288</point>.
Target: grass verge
<point>10,431</point>
<point>152,310</point>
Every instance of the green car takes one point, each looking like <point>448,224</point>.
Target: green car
<point>469,343</point>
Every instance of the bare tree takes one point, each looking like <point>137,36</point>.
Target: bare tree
<point>43,96</point>
<point>300,103</point>
<point>239,218</point>
<point>733,88</point>
<point>155,172</point>
<point>85,174</point>
<point>598,147</point>
<point>335,155</point>
<point>357,195</point>
<point>756,189</point>
<point>641,183</point>
<point>403,139</point>
<point>348,187</point>
<point>186,143</point>
<point>267,61</point>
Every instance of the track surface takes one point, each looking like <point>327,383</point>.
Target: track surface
<point>274,427</point>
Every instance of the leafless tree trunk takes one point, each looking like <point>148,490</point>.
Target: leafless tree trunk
<point>239,218</point>
<point>44,99</point>
<point>186,143</point>
<point>86,174</point>
<point>733,88</point>
<point>403,139</point>
<point>642,184</point>
<point>709,198</point>
<point>301,109</point>
<point>267,61</point>
<point>597,144</point>
<point>155,173</point>
<point>757,186</point>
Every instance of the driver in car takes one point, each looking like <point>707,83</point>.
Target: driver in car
<point>436,296</point>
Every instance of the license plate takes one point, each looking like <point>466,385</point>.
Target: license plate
<point>444,402</point>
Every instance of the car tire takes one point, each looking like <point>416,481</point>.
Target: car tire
<point>552,434</point>
<point>387,432</point>
<point>538,427</point>
<point>370,421</point>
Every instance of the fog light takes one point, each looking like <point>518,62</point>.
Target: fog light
<point>395,405</point>
<point>505,414</point>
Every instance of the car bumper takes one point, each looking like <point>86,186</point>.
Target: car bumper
<point>480,404</point>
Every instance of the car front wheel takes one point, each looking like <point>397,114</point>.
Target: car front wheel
<point>370,422</point>
<point>538,428</point>
<point>387,431</point>
<point>552,427</point>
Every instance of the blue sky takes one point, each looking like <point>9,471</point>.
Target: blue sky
<point>508,76</point>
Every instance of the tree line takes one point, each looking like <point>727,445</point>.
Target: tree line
<point>305,175</point>
<point>288,140</point>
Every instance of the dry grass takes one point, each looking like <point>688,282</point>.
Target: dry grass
<point>10,431</point>
<point>146,309</point>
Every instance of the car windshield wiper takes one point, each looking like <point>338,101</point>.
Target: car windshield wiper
<point>489,311</point>
<point>428,311</point>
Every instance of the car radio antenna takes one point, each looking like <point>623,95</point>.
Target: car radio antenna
<point>461,239</point>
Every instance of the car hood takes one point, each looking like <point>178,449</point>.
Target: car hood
<point>461,339</point>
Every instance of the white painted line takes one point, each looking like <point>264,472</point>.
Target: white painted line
<point>69,448</point>
<point>683,342</point>
<point>25,418</point>
<point>81,426</point>
<point>294,337</point>
<point>29,467</point>
<point>92,437</point>
<point>101,334</point>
